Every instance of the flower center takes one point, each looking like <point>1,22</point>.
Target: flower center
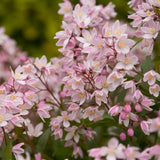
<point>122,44</point>
<point>108,32</point>
<point>14,97</point>
<point>148,13</point>
<point>155,89</point>
<point>152,30</point>
<point>30,96</point>
<point>118,31</point>
<point>1,118</point>
<point>28,69</point>
<point>90,112</point>
<point>111,151</point>
<point>65,118</point>
<point>150,77</point>
<point>99,96</point>
<point>105,84</point>
<point>126,61</point>
<point>66,9</point>
<point>99,45</point>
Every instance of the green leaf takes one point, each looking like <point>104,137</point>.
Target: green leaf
<point>147,65</point>
<point>8,150</point>
<point>107,122</point>
<point>43,141</point>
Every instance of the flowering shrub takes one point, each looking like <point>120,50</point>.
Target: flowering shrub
<point>101,98</point>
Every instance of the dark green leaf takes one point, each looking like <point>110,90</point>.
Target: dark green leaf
<point>147,65</point>
<point>8,151</point>
<point>43,141</point>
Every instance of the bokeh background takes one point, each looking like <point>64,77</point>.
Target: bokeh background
<point>33,23</point>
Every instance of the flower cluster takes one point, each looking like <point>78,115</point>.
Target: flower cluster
<point>116,150</point>
<point>98,82</point>
<point>11,55</point>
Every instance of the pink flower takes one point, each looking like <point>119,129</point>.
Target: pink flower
<point>4,117</point>
<point>145,126</point>
<point>77,83</point>
<point>155,125</point>
<point>123,44</point>
<point>38,156</point>
<point>154,151</point>
<point>81,16</point>
<point>113,151</point>
<point>155,3</point>
<point>132,153</point>
<point>151,77</point>
<point>100,96</point>
<point>118,30</point>
<point>20,157</point>
<point>154,90</point>
<point>19,75</point>
<point>17,148</point>
<point>43,110</point>
<point>78,96</point>
<point>72,133</point>
<point>93,113</point>
<point>115,78</point>
<point>87,37</point>
<point>58,133</point>
<point>65,8</point>
<point>65,118</point>
<point>30,97</point>
<point>35,131</point>
<point>150,29</point>
<point>89,3</point>
<point>108,11</point>
<point>146,103</point>
<point>40,63</point>
<point>77,152</point>
<point>3,37</point>
<point>115,110</point>
<point>126,62</point>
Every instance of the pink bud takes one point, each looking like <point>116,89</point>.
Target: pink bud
<point>138,108</point>
<point>63,94</point>
<point>130,132</point>
<point>122,136</point>
<point>137,94</point>
<point>123,115</point>
<point>127,108</point>
<point>23,59</point>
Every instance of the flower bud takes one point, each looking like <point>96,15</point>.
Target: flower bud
<point>130,132</point>
<point>138,108</point>
<point>127,108</point>
<point>122,136</point>
<point>63,94</point>
<point>123,115</point>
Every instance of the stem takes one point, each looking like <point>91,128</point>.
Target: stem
<point>49,91</point>
<point>137,72</point>
<point>29,140</point>
<point>5,137</point>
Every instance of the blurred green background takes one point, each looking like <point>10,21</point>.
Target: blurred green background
<point>33,23</point>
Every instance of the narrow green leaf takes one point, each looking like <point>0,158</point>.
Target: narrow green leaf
<point>8,151</point>
<point>43,141</point>
<point>147,65</point>
<point>105,122</point>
